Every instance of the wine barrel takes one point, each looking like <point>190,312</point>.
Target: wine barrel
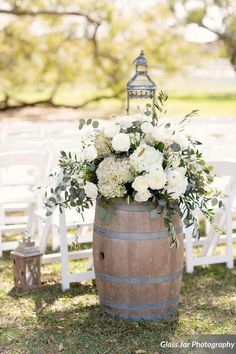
<point>138,274</point>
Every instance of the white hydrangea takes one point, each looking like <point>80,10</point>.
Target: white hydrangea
<point>111,189</point>
<point>145,156</point>
<point>90,153</point>
<point>111,130</point>
<point>102,144</point>
<point>121,142</point>
<point>91,190</point>
<point>142,196</point>
<point>112,174</point>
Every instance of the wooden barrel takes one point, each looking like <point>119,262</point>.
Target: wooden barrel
<point>138,275</point>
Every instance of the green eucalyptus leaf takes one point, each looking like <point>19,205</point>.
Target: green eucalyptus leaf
<point>89,121</point>
<point>95,124</point>
<point>175,147</point>
<point>81,123</point>
<point>214,202</point>
<point>82,194</point>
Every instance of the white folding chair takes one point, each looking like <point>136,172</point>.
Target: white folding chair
<point>21,173</point>
<point>22,145</point>
<point>226,170</point>
<point>63,222</point>
<point>20,130</point>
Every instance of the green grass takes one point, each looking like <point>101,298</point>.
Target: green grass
<point>50,321</point>
<point>219,104</point>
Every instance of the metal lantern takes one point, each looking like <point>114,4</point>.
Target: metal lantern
<point>141,85</point>
<point>26,263</point>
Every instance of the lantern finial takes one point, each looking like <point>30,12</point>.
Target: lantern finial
<point>140,60</point>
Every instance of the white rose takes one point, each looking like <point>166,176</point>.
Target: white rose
<point>142,196</point>
<point>178,190</point>
<point>155,167</point>
<point>176,176</point>
<point>90,153</point>
<point>157,180</point>
<point>111,130</point>
<point>91,190</point>
<point>121,142</point>
<point>140,184</point>
<point>147,128</point>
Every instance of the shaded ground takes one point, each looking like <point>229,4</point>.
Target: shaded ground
<point>217,106</point>
<point>49,321</point>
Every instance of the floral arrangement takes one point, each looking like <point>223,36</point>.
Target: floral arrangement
<point>139,158</point>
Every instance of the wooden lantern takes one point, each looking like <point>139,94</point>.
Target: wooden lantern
<point>26,263</point>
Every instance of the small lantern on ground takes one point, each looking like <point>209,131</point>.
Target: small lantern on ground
<point>26,263</point>
<point>141,87</point>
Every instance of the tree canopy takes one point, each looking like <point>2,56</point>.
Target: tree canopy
<point>47,44</point>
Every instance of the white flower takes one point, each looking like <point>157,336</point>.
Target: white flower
<point>121,142</point>
<point>155,167</point>
<point>175,177</point>
<point>146,127</point>
<point>142,196</point>
<point>174,160</point>
<point>157,180</point>
<point>111,130</point>
<point>112,174</point>
<point>91,190</point>
<point>140,184</point>
<point>181,140</point>
<point>125,121</point>
<point>144,157</point>
<point>163,135</point>
<point>178,190</point>
<point>90,153</point>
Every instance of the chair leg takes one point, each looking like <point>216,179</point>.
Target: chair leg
<point>189,250</point>
<point>55,238</point>
<point>1,223</point>
<point>43,237</point>
<point>229,235</point>
<point>64,252</point>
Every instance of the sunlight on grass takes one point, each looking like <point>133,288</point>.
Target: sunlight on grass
<point>44,321</point>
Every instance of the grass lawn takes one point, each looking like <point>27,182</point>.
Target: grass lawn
<point>217,104</point>
<point>49,321</point>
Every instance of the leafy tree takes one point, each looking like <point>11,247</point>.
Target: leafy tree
<point>47,44</point>
<point>223,14</point>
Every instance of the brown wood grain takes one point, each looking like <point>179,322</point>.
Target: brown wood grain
<point>125,259</point>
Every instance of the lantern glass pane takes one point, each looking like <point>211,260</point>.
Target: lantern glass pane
<point>139,99</point>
